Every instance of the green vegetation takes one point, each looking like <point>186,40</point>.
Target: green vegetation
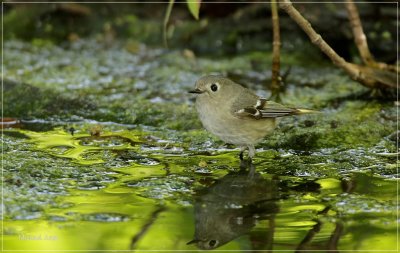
<point>109,151</point>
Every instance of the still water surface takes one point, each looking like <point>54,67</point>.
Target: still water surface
<point>123,190</point>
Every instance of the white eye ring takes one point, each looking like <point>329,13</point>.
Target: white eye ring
<point>214,87</point>
<point>213,243</point>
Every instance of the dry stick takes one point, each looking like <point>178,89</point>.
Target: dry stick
<point>359,36</point>
<point>335,237</point>
<point>309,236</point>
<point>313,231</point>
<point>146,227</point>
<point>276,45</point>
<point>361,40</point>
<point>353,70</point>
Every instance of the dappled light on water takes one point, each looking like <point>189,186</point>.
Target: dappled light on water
<point>113,184</point>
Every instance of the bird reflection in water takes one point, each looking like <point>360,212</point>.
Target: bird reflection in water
<point>232,206</point>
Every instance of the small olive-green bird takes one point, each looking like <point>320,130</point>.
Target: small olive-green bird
<point>236,114</point>
<point>231,207</point>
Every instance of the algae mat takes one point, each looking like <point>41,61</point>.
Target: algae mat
<point>108,154</point>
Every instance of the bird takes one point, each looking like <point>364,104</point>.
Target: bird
<point>231,207</point>
<point>235,114</point>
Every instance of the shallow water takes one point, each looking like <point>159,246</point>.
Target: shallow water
<point>118,160</point>
<point>114,192</point>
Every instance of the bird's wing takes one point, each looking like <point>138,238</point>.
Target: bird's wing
<point>260,108</point>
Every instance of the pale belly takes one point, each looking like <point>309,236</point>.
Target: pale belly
<point>238,131</point>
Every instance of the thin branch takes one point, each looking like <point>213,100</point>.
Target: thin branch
<point>165,23</point>
<point>361,40</point>
<point>335,237</point>
<point>315,38</point>
<point>146,226</point>
<point>362,74</point>
<point>276,45</point>
<point>309,236</point>
<point>359,36</point>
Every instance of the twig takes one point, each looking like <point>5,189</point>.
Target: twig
<point>361,40</point>
<point>309,236</point>
<point>359,36</point>
<point>334,239</point>
<point>165,23</point>
<point>276,79</point>
<point>146,226</point>
<point>364,75</point>
<point>74,8</point>
<point>315,38</point>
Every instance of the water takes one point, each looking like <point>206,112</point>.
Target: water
<point>104,151</point>
<point>108,192</point>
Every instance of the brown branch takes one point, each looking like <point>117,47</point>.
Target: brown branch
<point>276,45</point>
<point>359,36</point>
<point>334,239</point>
<point>361,39</point>
<point>146,227</point>
<point>309,236</point>
<point>364,75</point>
<point>316,39</point>
<point>74,9</point>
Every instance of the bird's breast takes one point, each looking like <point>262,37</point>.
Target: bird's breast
<point>219,120</point>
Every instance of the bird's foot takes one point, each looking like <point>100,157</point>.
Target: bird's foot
<point>241,155</point>
<point>248,165</point>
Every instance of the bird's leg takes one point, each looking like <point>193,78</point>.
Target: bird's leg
<point>248,164</point>
<point>252,170</point>
<point>252,151</point>
<point>242,149</point>
<point>243,165</point>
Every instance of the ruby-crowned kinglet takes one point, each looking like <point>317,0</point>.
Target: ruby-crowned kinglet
<point>235,114</point>
<point>231,207</point>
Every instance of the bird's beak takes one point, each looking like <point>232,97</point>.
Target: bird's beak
<point>193,241</point>
<point>197,91</point>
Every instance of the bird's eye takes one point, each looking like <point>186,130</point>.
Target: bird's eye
<point>214,87</point>
<point>213,243</point>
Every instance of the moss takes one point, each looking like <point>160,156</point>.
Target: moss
<point>356,124</point>
<point>19,21</point>
<point>27,101</point>
<point>303,141</point>
<point>140,96</point>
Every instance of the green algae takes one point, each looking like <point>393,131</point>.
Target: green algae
<point>111,142</point>
<point>126,194</point>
